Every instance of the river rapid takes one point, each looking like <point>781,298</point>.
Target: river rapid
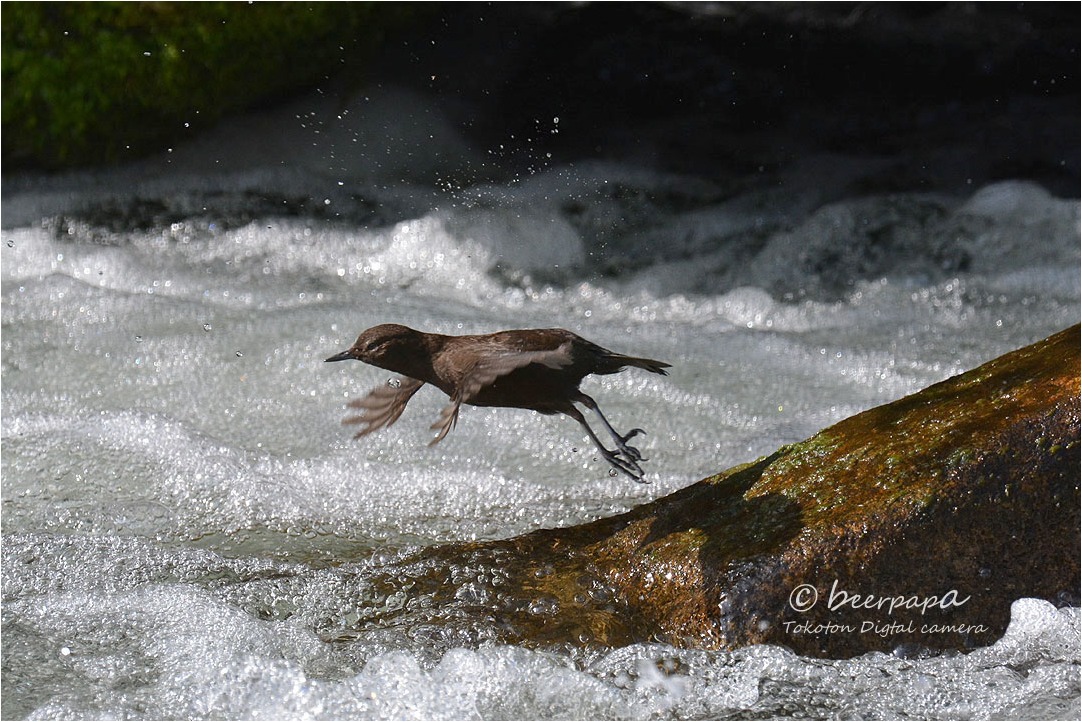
<point>187,526</point>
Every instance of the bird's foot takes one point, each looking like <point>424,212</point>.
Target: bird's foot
<point>632,454</point>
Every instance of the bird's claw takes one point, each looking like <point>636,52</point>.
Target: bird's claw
<point>626,463</point>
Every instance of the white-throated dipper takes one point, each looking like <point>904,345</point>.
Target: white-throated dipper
<point>537,369</point>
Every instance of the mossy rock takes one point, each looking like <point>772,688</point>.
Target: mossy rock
<point>107,81</point>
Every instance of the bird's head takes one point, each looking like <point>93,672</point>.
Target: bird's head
<point>387,346</point>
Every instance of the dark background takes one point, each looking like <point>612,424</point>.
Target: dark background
<point>956,94</point>
<point>729,87</point>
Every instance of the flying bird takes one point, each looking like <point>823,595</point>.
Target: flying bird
<point>536,369</point>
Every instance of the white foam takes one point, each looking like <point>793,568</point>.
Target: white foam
<point>185,515</point>
<point>162,647</point>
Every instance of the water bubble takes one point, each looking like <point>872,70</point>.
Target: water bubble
<point>544,606</point>
<point>11,244</point>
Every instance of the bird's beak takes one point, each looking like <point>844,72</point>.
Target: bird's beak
<point>344,356</point>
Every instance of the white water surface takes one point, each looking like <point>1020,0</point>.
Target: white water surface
<point>185,519</point>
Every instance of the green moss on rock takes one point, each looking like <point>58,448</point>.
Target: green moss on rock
<point>104,81</point>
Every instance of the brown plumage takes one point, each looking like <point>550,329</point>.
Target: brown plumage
<point>537,369</point>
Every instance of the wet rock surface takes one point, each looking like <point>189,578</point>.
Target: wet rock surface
<point>911,526</point>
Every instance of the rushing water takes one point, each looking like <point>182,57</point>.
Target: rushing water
<point>188,531</point>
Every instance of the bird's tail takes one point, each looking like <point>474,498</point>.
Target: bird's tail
<point>619,361</point>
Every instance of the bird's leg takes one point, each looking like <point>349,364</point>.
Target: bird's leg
<point>627,465</point>
<point>622,446</point>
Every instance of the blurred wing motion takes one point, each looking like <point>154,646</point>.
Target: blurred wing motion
<point>447,420</point>
<point>383,404</point>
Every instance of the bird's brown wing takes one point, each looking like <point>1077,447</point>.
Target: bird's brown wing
<point>383,404</point>
<point>486,370</point>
